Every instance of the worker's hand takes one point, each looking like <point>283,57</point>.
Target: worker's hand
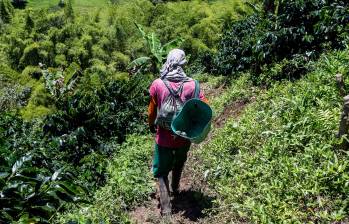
<point>152,128</point>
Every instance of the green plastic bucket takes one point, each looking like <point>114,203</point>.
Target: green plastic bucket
<point>194,121</point>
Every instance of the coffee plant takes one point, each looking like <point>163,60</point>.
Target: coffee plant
<point>291,27</point>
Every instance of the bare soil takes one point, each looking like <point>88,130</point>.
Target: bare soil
<point>234,109</point>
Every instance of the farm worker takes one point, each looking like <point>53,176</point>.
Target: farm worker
<point>170,150</point>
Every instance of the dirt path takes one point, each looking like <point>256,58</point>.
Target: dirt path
<point>195,196</point>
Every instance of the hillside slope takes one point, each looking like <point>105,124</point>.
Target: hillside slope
<point>74,142</point>
<point>280,162</point>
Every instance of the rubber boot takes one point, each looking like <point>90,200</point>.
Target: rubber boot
<point>165,201</point>
<point>176,177</point>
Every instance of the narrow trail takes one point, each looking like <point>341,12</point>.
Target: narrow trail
<point>195,195</point>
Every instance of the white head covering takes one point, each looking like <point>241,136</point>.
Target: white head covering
<point>172,70</point>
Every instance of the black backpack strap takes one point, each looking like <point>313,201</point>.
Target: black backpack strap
<point>172,92</point>
<point>197,89</point>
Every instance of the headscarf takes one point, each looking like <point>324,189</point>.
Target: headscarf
<point>172,70</point>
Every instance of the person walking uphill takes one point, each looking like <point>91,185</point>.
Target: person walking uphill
<point>172,88</point>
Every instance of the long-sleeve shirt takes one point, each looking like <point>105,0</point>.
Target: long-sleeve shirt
<point>158,92</point>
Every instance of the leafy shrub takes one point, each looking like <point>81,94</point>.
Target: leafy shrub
<point>235,52</point>
<point>32,187</point>
<point>6,11</point>
<point>48,21</point>
<point>40,103</point>
<point>120,61</point>
<point>48,35</point>
<point>99,53</point>
<point>129,183</point>
<point>292,69</point>
<point>7,72</point>
<point>12,95</point>
<point>31,55</point>
<point>33,111</point>
<point>77,53</point>
<point>41,97</point>
<point>33,194</point>
<point>68,10</point>
<point>118,112</point>
<point>14,49</point>
<point>296,27</point>
<point>29,22</point>
<point>61,60</point>
<point>75,137</point>
<point>32,71</point>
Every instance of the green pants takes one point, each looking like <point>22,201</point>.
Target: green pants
<point>166,159</point>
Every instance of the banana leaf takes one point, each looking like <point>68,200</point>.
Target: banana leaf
<point>139,62</point>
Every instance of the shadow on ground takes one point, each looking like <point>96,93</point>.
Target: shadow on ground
<point>191,204</point>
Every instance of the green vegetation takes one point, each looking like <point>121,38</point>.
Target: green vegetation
<point>69,100</point>
<point>297,31</point>
<point>82,5</point>
<point>73,96</point>
<point>280,161</point>
<point>129,183</point>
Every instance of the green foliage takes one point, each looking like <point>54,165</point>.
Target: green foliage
<point>14,49</point>
<point>59,82</point>
<point>280,162</point>
<point>286,69</point>
<point>80,134</point>
<point>33,111</point>
<point>61,3</point>
<point>39,104</point>
<point>237,44</point>
<point>74,115</point>
<point>31,55</point>
<point>29,22</point>
<point>32,71</point>
<point>113,109</point>
<point>293,28</point>
<point>40,96</point>
<point>7,72</point>
<point>68,9</point>
<point>12,95</point>
<point>80,111</point>
<point>6,11</point>
<point>59,37</point>
<point>200,22</point>
<point>79,5</point>
<point>120,61</point>
<point>61,60</point>
<point>30,193</point>
<point>129,183</point>
<point>157,51</point>
<point>53,40</point>
<point>32,188</point>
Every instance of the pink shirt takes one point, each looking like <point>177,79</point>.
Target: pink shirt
<point>159,91</point>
